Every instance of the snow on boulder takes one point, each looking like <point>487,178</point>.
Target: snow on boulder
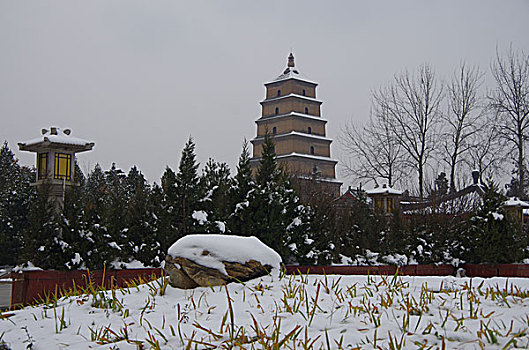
<point>209,259</point>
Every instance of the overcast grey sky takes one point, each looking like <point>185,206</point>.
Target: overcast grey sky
<point>140,77</point>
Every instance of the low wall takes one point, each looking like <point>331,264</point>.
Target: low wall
<point>30,287</point>
<point>470,270</point>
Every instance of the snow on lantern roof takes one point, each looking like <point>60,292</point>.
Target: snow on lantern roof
<point>291,72</point>
<point>515,202</point>
<point>384,190</point>
<point>56,136</point>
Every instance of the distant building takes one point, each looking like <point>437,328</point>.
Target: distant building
<point>291,115</point>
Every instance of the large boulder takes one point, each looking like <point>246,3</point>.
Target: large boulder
<point>211,260</point>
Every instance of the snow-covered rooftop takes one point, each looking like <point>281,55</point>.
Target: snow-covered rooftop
<point>291,114</point>
<point>320,179</point>
<point>291,72</point>
<point>296,133</point>
<point>291,95</point>
<point>56,136</point>
<point>310,156</point>
<point>384,190</point>
<point>515,202</point>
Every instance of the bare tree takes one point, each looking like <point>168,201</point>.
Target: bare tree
<point>510,100</point>
<point>487,151</point>
<point>462,117</point>
<point>413,103</point>
<point>373,151</point>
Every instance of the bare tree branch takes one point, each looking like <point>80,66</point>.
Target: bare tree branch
<point>510,100</point>
<point>413,103</point>
<point>462,118</point>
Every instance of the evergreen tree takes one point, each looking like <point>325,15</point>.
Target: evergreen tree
<point>493,236</point>
<point>276,215</point>
<point>116,210</point>
<point>141,242</point>
<point>16,196</point>
<point>95,242</point>
<point>44,244</point>
<point>216,183</point>
<point>73,224</point>
<point>167,220</point>
<point>188,190</point>
<point>243,184</point>
<point>514,188</point>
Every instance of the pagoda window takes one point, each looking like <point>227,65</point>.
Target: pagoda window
<point>312,150</point>
<point>309,130</point>
<point>63,166</point>
<point>277,110</point>
<point>390,205</point>
<point>42,165</point>
<point>274,130</point>
<point>278,92</point>
<point>306,110</point>
<point>304,92</point>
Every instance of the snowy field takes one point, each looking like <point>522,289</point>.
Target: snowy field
<point>288,312</point>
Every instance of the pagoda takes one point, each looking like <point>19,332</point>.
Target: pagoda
<point>291,115</point>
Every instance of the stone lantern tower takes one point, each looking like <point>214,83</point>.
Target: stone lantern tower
<point>514,208</point>
<point>55,150</point>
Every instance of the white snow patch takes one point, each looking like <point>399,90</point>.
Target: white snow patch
<point>224,248</point>
<point>497,216</point>
<point>134,264</point>
<point>221,226</point>
<point>114,245</point>
<point>28,266</point>
<point>200,216</point>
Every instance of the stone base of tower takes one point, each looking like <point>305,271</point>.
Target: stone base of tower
<point>308,188</point>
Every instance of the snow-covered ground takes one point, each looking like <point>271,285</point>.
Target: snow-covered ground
<point>289,312</point>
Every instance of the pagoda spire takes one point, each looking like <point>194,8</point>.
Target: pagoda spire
<point>291,60</point>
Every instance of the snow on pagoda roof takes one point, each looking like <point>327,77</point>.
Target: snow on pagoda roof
<point>56,136</point>
<point>384,190</point>
<point>310,156</point>
<point>291,72</point>
<point>273,99</point>
<point>319,179</point>
<point>291,114</point>
<point>296,133</point>
<point>515,202</point>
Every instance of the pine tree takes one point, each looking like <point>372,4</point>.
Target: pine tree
<point>243,185</point>
<point>44,244</point>
<point>514,188</point>
<point>168,221</point>
<point>95,241</point>
<point>274,211</point>
<point>188,189</point>
<point>73,224</point>
<point>141,243</point>
<point>16,195</point>
<point>116,210</point>
<point>216,183</point>
<point>492,236</point>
